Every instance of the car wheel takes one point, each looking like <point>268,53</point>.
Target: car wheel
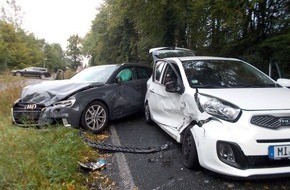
<point>42,76</point>
<point>18,74</point>
<point>148,114</point>
<point>95,117</point>
<point>189,155</point>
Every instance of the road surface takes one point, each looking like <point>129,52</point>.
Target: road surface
<point>164,170</point>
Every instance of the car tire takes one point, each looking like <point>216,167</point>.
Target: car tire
<point>148,118</point>
<point>18,74</point>
<point>189,154</point>
<point>42,76</point>
<point>95,117</point>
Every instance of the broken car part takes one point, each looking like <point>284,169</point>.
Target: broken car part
<point>93,165</point>
<point>128,149</point>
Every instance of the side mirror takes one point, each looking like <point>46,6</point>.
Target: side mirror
<point>284,82</point>
<point>118,80</point>
<point>172,86</point>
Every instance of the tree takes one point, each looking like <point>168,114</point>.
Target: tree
<point>54,57</point>
<point>19,49</point>
<point>254,30</point>
<point>74,51</point>
<point>11,13</point>
<point>15,48</point>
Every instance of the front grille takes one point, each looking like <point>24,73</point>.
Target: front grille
<point>27,115</point>
<point>265,162</point>
<point>271,122</point>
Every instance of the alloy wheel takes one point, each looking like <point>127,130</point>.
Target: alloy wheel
<point>95,117</point>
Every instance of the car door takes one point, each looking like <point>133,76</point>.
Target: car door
<point>34,72</point>
<point>142,74</point>
<point>27,72</point>
<point>131,90</point>
<point>165,107</point>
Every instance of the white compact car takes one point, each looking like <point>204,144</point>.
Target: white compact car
<point>230,117</point>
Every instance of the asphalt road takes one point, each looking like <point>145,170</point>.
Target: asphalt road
<point>163,170</point>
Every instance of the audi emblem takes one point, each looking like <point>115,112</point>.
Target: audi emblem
<point>30,106</point>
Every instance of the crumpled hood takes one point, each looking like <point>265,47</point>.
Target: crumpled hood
<point>253,98</point>
<point>49,92</point>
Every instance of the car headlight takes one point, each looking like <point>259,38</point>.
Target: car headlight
<point>66,103</point>
<point>24,89</point>
<point>219,108</point>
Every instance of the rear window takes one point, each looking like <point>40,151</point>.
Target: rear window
<point>160,54</point>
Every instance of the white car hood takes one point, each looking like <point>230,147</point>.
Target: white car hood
<point>253,98</point>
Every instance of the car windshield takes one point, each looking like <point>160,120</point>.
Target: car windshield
<point>224,74</point>
<point>95,74</point>
<point>160,54</point>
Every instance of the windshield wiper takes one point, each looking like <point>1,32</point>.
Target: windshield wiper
<point>254,85</point>
<point>211,86</point>
<point>236,86</point>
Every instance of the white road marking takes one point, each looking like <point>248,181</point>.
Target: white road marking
<point>124,170</point>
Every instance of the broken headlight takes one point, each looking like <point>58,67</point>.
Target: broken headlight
<point>66,103</point>
<point>219,108</point>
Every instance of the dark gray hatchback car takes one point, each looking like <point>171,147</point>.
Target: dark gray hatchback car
<point>89,99</point>
<point>32,72</point>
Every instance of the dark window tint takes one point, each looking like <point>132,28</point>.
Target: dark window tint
<point>143,73</point>
<point>174,53</point>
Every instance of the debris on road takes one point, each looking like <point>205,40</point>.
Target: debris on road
<point>128,149</point>
<point>93,165</point>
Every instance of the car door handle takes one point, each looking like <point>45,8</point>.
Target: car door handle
<point>152,91</point>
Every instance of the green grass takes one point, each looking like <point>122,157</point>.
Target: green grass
<point>46,158</point>
<point>33,159</point>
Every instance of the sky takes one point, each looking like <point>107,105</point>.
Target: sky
<point>57,20</point>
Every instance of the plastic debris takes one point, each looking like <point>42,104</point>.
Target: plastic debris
<point>93,165</point>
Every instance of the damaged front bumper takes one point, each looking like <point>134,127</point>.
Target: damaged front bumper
<point>24,114</point>
<point>240,149</point>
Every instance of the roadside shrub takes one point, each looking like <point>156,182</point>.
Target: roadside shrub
<point>69,73</point>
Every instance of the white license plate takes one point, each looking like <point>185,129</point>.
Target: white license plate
<point>279,152</point>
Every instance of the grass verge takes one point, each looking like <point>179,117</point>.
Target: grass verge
<point>47,158</point>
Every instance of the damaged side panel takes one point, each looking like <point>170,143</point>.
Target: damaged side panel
<point>178,110</point>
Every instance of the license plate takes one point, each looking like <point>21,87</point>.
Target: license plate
<point>279,152</point>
